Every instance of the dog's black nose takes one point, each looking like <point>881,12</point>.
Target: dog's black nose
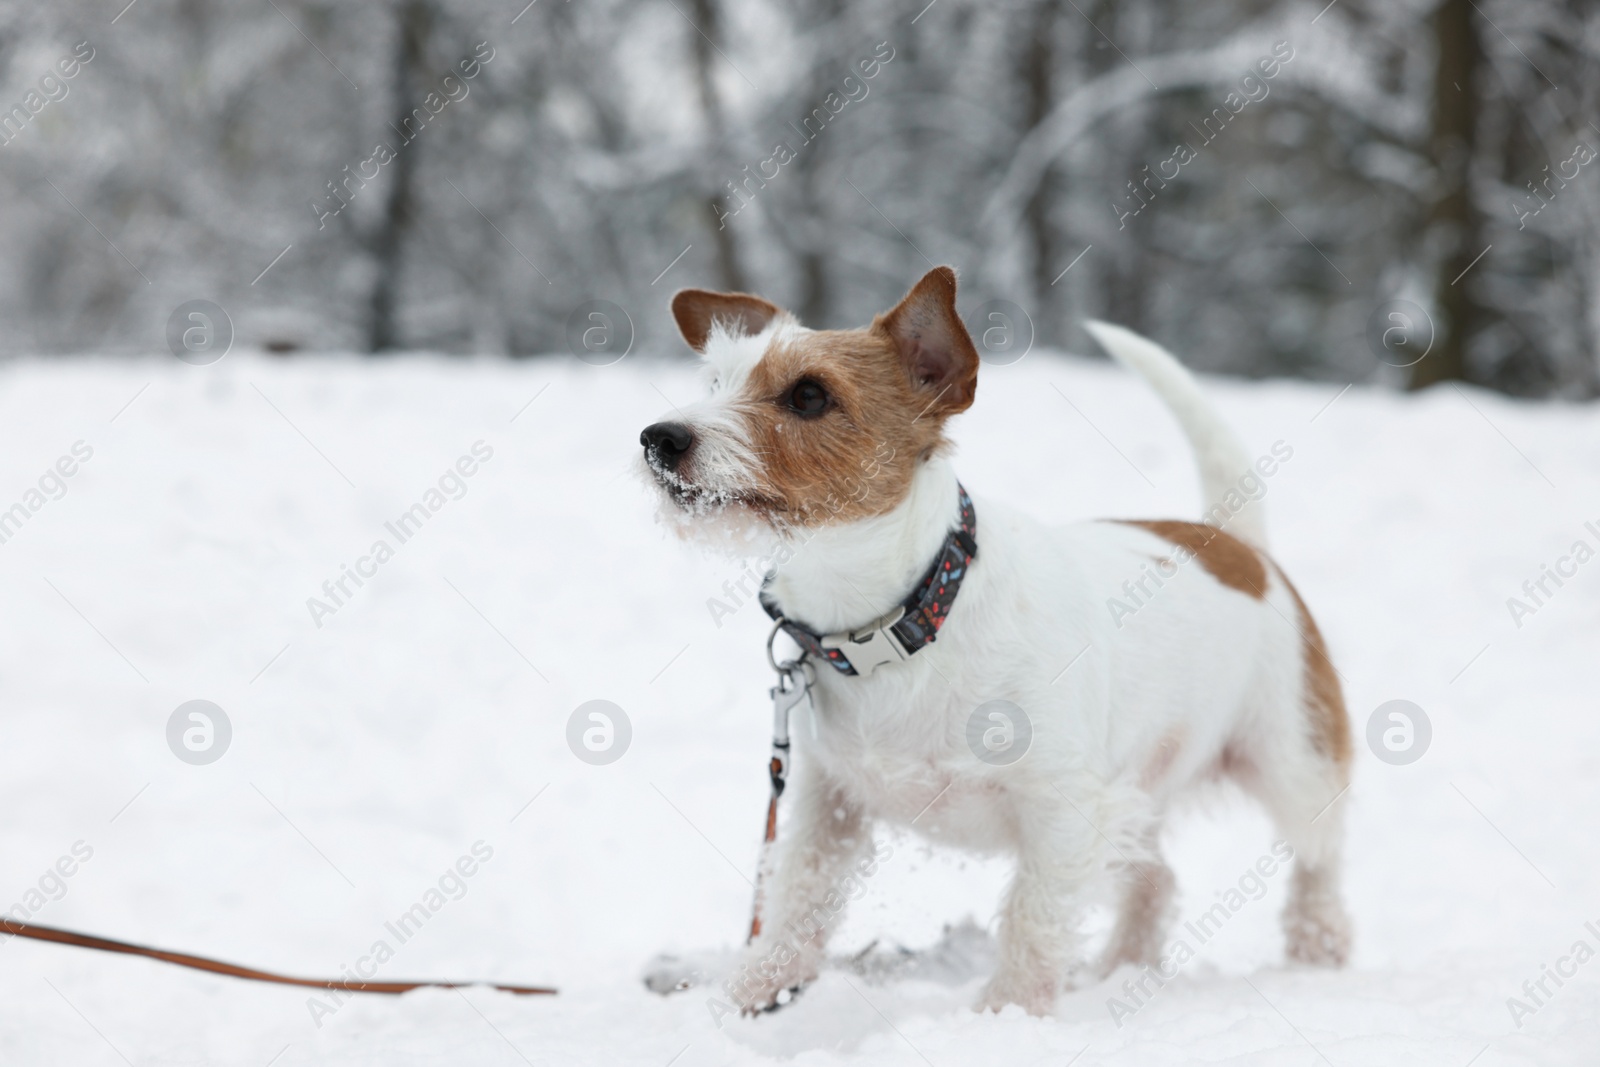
<point>666,443</point>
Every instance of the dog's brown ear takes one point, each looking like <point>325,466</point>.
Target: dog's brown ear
<point>934,346</point>
<point>740,313</point>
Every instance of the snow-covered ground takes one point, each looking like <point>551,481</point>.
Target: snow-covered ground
<point>427,715</point>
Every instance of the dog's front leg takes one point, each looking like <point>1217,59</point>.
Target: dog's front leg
<point>820,853</point>
<point>1040,921</point>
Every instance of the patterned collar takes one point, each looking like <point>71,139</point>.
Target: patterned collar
<point>915,621</point>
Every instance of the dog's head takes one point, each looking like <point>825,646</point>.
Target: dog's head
<point>804,428</point>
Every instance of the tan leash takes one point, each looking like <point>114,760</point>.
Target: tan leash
<point>202,963</point>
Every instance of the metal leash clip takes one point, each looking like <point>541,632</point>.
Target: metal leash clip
<point>793,688</point>
<point>795,678</point>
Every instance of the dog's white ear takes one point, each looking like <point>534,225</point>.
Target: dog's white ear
<point>740,314</point>
<point>934,346</point>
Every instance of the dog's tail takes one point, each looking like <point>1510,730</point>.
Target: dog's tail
<point>1218,453</point>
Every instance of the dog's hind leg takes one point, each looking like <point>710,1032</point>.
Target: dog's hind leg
<point>1315,927</point>
<point>1298,764</point>
<point>1302,794</point>
<point>1145,912</point>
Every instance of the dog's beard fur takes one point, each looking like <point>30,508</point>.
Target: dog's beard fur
<point>718,503</point>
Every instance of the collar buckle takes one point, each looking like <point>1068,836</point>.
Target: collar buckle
<point>869,648</point>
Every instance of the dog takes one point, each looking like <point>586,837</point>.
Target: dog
<point>825,451</point>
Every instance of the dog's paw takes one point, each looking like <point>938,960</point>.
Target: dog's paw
<point>782,999</point>
<point>771,977</point>
<point>1317,937</point>
<point>1036,995</point>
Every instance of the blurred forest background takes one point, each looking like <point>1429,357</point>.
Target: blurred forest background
<point>1433,152</point>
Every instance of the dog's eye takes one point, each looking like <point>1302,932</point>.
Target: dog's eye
<point>808,399</point>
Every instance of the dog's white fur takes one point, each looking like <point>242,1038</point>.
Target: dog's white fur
<point>1203,681</point>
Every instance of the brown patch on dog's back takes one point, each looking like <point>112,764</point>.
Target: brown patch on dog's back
<point>1240,566</point>
<point>1225,557</point>
<point>1330,722</point>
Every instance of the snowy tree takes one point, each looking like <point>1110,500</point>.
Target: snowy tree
<point>332,175</point>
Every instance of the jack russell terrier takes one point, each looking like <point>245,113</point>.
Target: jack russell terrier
<point>825,451</point>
